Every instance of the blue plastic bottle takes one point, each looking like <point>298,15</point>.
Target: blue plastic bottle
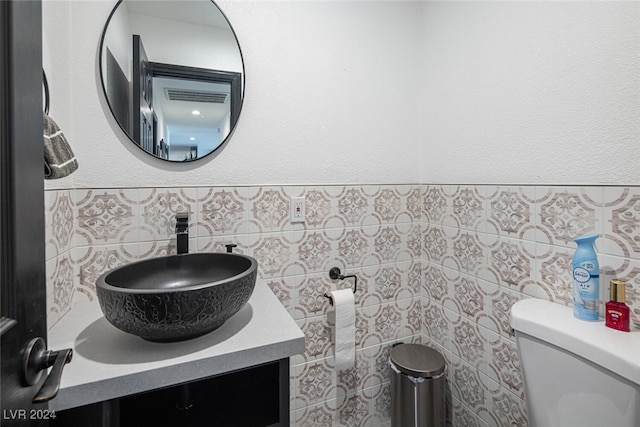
<point>586,279</point>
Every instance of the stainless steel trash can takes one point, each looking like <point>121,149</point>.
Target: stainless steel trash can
<point>417,386</point>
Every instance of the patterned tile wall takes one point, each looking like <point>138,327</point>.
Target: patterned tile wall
<point>372,231</point>
<point>440,264</point>
<point>486,247</point>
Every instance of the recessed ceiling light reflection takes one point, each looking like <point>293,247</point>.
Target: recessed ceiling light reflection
<point>195,112</point>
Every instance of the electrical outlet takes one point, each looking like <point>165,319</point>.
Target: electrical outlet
<point>297,209</point>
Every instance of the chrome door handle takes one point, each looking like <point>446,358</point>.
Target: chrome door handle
<point>37,359</point>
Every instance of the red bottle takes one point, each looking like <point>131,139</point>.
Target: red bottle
<point>616,311</point>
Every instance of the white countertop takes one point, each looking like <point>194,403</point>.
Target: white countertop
<point>108,363</point>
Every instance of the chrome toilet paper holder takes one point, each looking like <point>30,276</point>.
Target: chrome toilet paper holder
<point>335,274</point>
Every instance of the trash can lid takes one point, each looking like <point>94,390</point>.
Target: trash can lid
<point>417,360</point>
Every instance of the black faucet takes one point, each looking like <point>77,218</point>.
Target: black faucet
<point>182,233</point>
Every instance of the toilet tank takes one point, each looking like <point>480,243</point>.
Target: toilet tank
<point>575,372</point>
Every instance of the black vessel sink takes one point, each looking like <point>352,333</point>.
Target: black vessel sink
<point>178,297</point>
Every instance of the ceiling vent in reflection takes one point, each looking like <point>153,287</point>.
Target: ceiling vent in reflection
<point>196,96</point>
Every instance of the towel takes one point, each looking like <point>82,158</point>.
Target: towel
<point>59,160</point>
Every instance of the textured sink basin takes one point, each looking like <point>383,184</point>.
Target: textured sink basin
<point>178,297</point>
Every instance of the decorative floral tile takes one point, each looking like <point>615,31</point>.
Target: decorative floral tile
<point>158,209</point>
<point>469,296</point>
<point>217,243</point>
<point>415,203</point>
<point>436,245</point>
<point>568,212</point>
<point>381,405</point>
<point>380,370</point>
<point>355,410</point>
<point>435,203</point>
<point>469,387</point>
<point>504,409</point>
<point>468,208</point>
<point>319,206</point>
<point>468,343</point>
<point>388,243</point>
<point>316,251</point>
<point>60,288</point>
<point>434,282</point>
<point>309,296</point>
<point>395,204</point>
<point>315,382</point>
<point>221,211</point>
<point>91,262</point>
<point>388,283</point>
<point>415,277</point>
<point>63,286</point>
<point>353,206</point>
<point>512,211</point>
<point>468,252</point>
<point>283,288</point>
<point>106,217</point>
<point>355,247</point>
<point>363,328</point>
<point>512,262</point>
<point>393,321</point>
<point>621,221</point>
<point>475,345</point>
<point>387,205</point>
<point>268,208</point>
<point>160,248</point>
<point>319,415</point>
<point>554,278</point>
<point>436,324</point>
<point>59,222</point>
<point>501,304</point>
<point>275,253</point>
<point>463,417</point>
<point>352,380</point>
<point>318,339</point>
<point>505,362</point>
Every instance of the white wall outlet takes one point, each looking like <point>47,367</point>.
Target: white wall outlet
<point>297,209</point>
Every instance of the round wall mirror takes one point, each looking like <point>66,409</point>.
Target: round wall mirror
<point>173,76</point>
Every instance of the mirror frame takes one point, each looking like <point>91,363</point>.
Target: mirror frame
<point>235,80</point>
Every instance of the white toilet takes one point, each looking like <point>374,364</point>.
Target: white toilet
<point>576,373</point>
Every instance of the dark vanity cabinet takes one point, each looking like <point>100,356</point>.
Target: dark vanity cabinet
<point>252,397</point>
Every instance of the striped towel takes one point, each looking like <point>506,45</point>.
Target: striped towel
<point>59,160</point>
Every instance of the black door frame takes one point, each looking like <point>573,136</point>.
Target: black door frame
<point>22,243</point>
<point>233,79</point>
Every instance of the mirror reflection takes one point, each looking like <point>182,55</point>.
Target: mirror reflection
<point>172,73</point>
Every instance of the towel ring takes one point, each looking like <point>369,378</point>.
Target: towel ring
<point>335,274</point>
<point>45,86</point>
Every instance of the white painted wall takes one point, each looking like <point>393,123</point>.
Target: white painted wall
<point>165,40</point>
<point>331,97</point>
<point>118,41</point>
<point>531,92</point>
<point>377,91</point>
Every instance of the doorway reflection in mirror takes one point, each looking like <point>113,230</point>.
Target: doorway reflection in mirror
<point>163,60</point>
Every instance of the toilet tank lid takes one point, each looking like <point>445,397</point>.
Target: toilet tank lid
<point>614,350</point>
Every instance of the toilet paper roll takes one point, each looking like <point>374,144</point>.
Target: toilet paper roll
<point>345,329</point>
